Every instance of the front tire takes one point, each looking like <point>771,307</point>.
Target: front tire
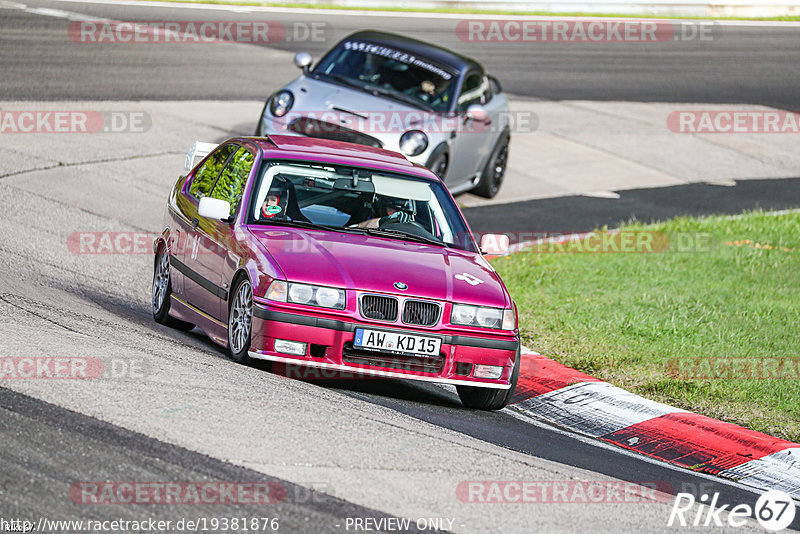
<point>439,165</point>
<point>489,399</point>
<point>494,171</point>
<point>162,290</point>
<point>259,130</point>
<point>240,321</point>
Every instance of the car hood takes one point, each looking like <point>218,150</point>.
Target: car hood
<point>367,263</point>
<point>354,109</point>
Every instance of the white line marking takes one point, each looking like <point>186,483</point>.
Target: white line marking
<point>594,408</point>
<point>779,470</point>
<point>411,14</point>
<point>60,14</point>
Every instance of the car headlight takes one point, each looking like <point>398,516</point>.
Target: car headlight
<point>281,103</point>
<point>324,297</point>
<point>482,317</point>
<point>413,143</point>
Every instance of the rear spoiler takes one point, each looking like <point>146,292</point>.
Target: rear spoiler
<point>198,150</point>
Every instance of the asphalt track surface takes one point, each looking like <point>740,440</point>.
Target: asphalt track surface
<point>199,416</point>
<point>739,64</point>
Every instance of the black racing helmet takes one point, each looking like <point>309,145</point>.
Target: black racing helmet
<point>395,203</point>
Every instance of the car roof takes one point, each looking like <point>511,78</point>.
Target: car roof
<point>422,48</point>
<point>330,151</point>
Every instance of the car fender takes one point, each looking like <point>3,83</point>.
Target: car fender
<point>504,133</point>
<point>443,147</point>
<point>259,266</point>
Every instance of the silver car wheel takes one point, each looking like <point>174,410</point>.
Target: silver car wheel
<point>241,318</point>
<point>160,282</point>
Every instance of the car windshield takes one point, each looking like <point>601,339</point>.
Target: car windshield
<point>349,199</point>
<point>391,73</point>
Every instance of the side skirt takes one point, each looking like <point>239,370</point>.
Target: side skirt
<point>216,330</point>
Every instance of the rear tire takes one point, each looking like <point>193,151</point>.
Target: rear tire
<point>494,171</point>
<point>162,290</point>
<point>486,398</point>
<point>240,321</point>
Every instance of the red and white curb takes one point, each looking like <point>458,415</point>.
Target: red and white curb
<point>581,403</point>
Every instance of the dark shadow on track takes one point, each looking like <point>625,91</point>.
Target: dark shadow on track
<point>580,213</point>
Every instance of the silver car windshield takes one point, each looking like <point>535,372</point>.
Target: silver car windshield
<point>350,199</point>
<point>391,73</point>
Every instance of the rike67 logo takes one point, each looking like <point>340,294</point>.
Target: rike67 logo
<point>774,510</point>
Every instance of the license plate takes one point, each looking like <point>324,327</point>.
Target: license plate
<point>396,342</point>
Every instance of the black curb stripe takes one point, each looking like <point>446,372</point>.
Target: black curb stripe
<point>205,283</point>
<point>333,324</point>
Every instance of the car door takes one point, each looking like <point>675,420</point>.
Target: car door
<point>216,256</point>
<point>472,142</point>
<point>201,284</point>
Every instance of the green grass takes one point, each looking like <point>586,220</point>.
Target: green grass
<point>302,5</point>
<point>623,317</point>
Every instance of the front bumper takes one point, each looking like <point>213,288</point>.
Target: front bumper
<point>330,347</point>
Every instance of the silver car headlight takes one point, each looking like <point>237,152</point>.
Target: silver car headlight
<point>281,103</point>
<point>482,317</point>
<point>310,295</point>
<point>413,142</point>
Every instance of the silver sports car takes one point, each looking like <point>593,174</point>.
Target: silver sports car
<point>378,89</point>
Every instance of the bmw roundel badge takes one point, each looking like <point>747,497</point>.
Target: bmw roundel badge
<point>401,286</point>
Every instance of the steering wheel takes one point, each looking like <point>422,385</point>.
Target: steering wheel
<point>411,227</point>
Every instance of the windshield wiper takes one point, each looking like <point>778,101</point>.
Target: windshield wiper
<point>404,235</point>
<point>377,90</point>
<point>399,96</point>
<point>346,81</point>
<point>304,224</point>
<point>355,230</point>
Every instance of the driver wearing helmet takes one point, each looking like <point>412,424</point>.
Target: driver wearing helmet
<point>394,210</point>
<point>274,205</point>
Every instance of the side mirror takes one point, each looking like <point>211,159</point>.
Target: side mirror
<point>214,208</point>
<point>478,113</point>
<point>495,244</point>
<point>302,60</point>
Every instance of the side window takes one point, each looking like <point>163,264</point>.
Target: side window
<point>206,175</point>
<point>230,184</point>
<point>475,90</point>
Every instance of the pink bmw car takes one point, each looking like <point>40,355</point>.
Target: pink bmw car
<point>319,253</point>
